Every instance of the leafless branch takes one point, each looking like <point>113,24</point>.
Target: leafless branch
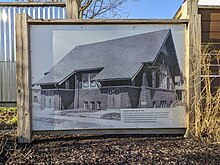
<point>105,9</point>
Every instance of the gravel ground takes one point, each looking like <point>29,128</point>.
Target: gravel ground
<point>107,149</point>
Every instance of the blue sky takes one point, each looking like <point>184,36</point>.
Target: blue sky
<point>153,8</point>
<point>149,8</point>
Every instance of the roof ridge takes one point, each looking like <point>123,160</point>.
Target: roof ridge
<point>120,38</point>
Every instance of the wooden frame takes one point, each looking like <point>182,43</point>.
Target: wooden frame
<point>25,134</point>
<point>23,79</point>
<point>189,10</point>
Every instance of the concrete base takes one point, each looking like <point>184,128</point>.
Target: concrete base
<point>8,103</point>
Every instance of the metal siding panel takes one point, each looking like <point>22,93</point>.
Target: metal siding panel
<point>58,13</point>
<point>13,36</point>
<point>33,14</point>
<point>10,34</point>
<point>63,12</point>
<point>48,13</point>
<point>1,33</point>
<point>7,44</point>
<point>29,11</point>
<point>38,12</point>
<point>44,13</point>
<point>4,37</point>
<point>53,13</point>
<point>7,83</point>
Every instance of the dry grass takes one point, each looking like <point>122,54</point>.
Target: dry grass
<point>206,100</point>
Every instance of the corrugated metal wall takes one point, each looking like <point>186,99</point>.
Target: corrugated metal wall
<point>7,43</point>
<point>8,79</point>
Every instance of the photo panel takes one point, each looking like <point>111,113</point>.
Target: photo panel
<point>107,76</point>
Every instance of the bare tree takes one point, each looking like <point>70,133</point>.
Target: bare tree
<point>92,9</point>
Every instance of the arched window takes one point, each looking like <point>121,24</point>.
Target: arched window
<point>163,79</point>
<point>110,92</point>
<point>35,99</point>
<point>154,79</point>
<point>117,91</point>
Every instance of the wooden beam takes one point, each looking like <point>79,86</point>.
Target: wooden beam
<point>72,9</point>
<point>192,60</point>
<point>208,7</point>
<point>23,79</point>
<point>148,131</point>
<point>32,4</point>
<point>109,21</point>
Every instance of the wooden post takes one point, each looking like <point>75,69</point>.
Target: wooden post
<point>192,60</point>
<point>23,80</point>
<point>72,9</point>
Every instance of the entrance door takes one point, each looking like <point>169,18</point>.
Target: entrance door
<point>114,99</point>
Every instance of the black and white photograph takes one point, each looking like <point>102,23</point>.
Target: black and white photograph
<point>108,76</point>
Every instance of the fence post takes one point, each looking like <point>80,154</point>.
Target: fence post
<point>192,60</point>
<point>23,79</point>
<point>72,9</point>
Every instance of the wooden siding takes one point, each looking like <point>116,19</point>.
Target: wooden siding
<point>211,34</point>
<point>210,25</point>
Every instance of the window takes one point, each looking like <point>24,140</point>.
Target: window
<point>98,105</point>
<point>92,105</point>
<point>35,99</point>
<point>110,92</point>
<point>163,104</point>
<point>117,92</point>
<point>67,84</point>
<point>87,80</point>
<point>163,80</point>
<point>50,103</point>
<point>154,104</point>
<point>86,105</point>
<point>169,83</point>
<point>154,79</point>
<point>92,83</point>
<point>171,102</point>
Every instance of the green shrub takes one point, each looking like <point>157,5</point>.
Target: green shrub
<point>8,115</point>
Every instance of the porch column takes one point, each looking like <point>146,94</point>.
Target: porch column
<point>144,93</point>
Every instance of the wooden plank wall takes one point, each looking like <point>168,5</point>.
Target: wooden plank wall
<point>210,25</point>
<point>211,35</point>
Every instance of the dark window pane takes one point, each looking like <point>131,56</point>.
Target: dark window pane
<point>117,92</point>
<point>85,80</point>
<point>86,105</point>
<point>98,105</point>
<point>92,105</point>
<point>92,83</point>
<point>110,92</point>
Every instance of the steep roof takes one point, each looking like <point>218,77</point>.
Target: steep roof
<point>120,58</point>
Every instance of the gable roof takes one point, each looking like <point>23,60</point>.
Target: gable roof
<point>120,58</point>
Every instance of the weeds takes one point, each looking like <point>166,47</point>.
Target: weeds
<point>206,100</point>
<point>8,117</point>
